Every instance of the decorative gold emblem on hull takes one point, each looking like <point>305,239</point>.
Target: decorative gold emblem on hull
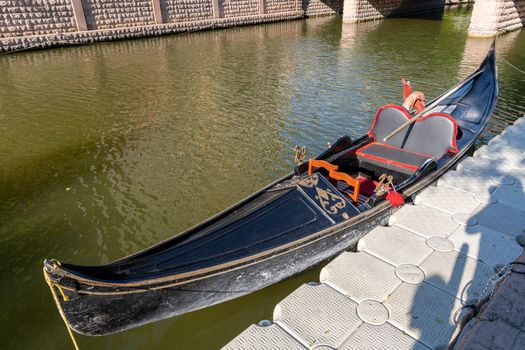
<point>330,202</point>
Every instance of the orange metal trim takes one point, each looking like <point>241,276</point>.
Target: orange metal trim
<point>349,180</point>
<point>320,164</point>
<point>332,173</point>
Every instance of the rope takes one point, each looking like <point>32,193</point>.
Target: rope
<point>496,279</point>
<point>60,310</point>
<point>300,154</point>
<point>513,66</point>
<point>473,309</point>
<point>440,86</point>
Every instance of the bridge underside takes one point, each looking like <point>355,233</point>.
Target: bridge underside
<point>366,10</point>
<point>489,17</point>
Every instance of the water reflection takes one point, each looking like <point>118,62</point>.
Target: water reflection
<point>109,148</point>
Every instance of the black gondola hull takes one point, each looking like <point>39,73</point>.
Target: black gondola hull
<point>285,228</point>
<point>101,314</point>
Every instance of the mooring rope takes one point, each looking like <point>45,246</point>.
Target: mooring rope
<point>473,309</point>
<point>513,66</point>
<point>60,310</point>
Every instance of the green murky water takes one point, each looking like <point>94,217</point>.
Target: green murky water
<point>107,149</point>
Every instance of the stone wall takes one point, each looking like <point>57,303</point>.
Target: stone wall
<point>322,7</point>
<point>275,6</point>
<point>491,17</point>
<point>92,36</point>
<point>46,23</point>
<point>186,10</point>
<point>366,10</point>
<point>103,14</point>
<point>30,17</point>
<point>236,8</point>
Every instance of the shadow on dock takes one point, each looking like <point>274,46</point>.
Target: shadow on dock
<point>495,224</point>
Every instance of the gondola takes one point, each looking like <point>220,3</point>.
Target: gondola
<point>320,209</point>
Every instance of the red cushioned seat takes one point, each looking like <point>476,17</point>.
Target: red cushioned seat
<point>391,157</point>
<point>431,136</point>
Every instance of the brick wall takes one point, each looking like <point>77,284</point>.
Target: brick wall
<point>43,23</point>
<point>102,14</point>
<point>186,10</point>
<point>30,17</point>
<point>237,8</point>
<point>34,17</point>
<point>275,6</point>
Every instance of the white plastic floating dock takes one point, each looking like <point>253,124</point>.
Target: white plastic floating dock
<point>402,287</point>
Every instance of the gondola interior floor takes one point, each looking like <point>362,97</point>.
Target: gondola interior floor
<point>400,290</point>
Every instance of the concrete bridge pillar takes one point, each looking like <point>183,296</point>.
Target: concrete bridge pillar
<point>490,17</point>
<point>366,10</point>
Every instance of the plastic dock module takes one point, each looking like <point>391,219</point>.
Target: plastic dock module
<point>272,336</point>
<point>403,286</point>
<point>466,282</point>
<point>448,199</point>
<point>511,196</point>
<point>371,278</point>
<point>424,220</point>
<point>317,314</point>
<point>489,246</point>
<point>466,182</point>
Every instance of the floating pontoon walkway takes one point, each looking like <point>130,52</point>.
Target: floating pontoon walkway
<point>401,288</point>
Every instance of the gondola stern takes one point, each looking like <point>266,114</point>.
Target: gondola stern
<point>71,305</point>
<point>53,276</point>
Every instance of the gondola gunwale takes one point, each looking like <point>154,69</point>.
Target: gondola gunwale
<point>187,277</point>
<point>339,233</point>
<point>253,259</point>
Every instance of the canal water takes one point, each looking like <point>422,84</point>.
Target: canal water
<point>109,148</point>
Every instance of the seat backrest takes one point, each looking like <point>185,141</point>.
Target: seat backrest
<point>388,118</point>
<point>433,134</point>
